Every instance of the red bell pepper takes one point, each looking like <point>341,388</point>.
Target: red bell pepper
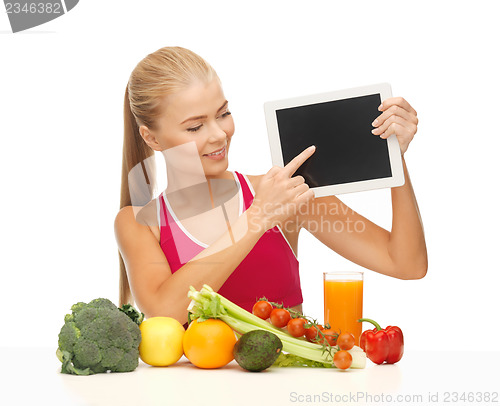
<point>382,345</point>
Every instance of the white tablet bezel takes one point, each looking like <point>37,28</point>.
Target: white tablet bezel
<point>384,89</point>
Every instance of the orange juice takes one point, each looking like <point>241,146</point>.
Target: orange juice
<point>343,295</point>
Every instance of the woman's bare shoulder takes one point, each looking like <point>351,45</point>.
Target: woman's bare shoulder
<point>125,215</point>
<point>133,216</point>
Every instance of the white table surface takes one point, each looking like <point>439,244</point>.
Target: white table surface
<point>32,376</point>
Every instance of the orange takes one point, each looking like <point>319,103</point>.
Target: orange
<point>209,344</point>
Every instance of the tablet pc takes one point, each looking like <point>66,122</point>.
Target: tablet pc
<point>348,157</point>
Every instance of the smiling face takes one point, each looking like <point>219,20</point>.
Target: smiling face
<point>198,114</point>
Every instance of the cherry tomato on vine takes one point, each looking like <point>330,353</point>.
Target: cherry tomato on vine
<point>342,359</point>
<point>296,327</point>
<point>280,317</point>
<point>345,341</point>
<point>262,309</point>
<point>330,336</point>
<point>312,334</point>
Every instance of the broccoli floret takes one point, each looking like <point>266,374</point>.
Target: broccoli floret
<point>102,304</point>
<point>128,362</point>
<point>98,337</point>
<point>87,353</point>
<point>111,356</point>
<point>85,316</point>
<point>68,336</point>
<point>69,317</point>
<point>77,306</point>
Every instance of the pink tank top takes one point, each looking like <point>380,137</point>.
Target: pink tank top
<point>270,269</point>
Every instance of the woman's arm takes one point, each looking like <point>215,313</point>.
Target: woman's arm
<point>407,246</point>
<point>159,292</point>
<point>400,253</point>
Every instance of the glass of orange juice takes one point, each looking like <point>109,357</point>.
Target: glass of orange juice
<point>343,294</point>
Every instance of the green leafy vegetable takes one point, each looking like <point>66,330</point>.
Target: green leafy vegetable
<point>136,316</point>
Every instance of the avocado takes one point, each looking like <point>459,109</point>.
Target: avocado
<point>257,350</point>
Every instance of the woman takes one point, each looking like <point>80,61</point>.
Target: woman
<point>236,233</point>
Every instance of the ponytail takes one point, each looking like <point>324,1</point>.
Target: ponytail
<point>135,152</point>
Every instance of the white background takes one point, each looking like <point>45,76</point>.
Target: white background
<point>61,103</point>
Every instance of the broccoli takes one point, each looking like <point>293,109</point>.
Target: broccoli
<point>99,337</point>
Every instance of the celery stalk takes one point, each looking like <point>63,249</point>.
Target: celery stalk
<point>207,303</point>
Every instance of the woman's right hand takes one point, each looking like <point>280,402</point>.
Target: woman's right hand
<point>279,195</point>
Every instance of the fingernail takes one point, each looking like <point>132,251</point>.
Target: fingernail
<point>312,147</point>
<point>375,123</point>
<point>381,107</point>
<point>374,130</point>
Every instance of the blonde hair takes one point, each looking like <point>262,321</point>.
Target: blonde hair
<point>163,72</point>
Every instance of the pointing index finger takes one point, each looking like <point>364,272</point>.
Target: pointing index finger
<point>292,166</point>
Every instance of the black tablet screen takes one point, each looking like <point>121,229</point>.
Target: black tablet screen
<point>346,149</point>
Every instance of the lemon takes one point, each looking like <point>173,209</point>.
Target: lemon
<point>161,343</point>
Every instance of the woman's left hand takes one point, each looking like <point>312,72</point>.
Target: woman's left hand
<point>399,118</point>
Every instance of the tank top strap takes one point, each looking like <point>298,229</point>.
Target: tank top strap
<point>246,189</point>
<point>161,208</point>
<point>164,220</point>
